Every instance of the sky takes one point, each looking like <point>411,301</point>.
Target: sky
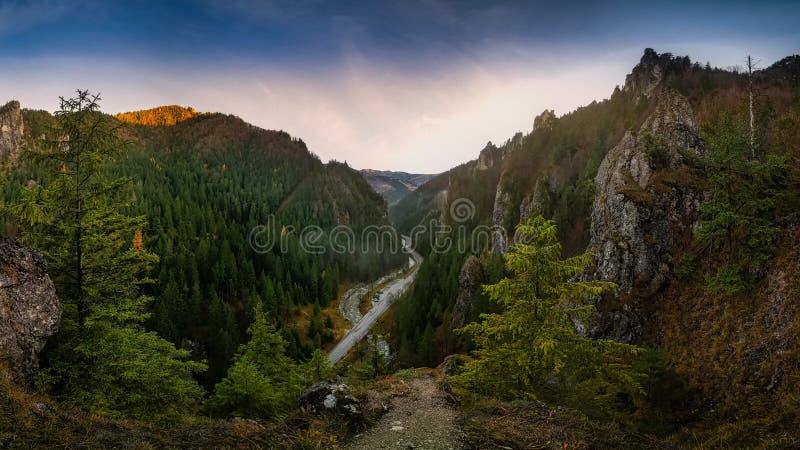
<point>412,85</point>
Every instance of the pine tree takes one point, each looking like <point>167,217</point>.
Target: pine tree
<point>263,380</point>
<point>531,349</point>
<point>317,368</point>
<point>738,222</point>
<point>77,220</point>
<point>223,338</point>
<point>102,358</point>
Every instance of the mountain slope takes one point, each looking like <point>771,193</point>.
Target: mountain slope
<point>227,205</point>
<point>394,186</point>
<point>625,178</point>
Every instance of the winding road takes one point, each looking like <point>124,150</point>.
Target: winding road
<point>389,294</point>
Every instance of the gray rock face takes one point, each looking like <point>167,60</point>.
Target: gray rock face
<point>488,157</point>
<point>12,131</point>
<point>635,213</point>
<point>544,121</point>
<point>29,309</point>
<point>646,76</point>
<point>538,202</point>
<point>500,216</point>
<point>469,282</point>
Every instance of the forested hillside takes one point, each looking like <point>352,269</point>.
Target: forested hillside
<point>196,188</point>
<point>553,167</point>
<point>643,292</point>
<point>686,196</point>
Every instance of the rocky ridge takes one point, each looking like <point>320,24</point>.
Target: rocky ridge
<point>544,121</point>
<point>643,194</point>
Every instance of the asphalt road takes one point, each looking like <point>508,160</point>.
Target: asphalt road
<point>389,295</point>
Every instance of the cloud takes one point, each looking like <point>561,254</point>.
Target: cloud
<point>20,15</point>
<point>418,85</point>
<point>371,115</point>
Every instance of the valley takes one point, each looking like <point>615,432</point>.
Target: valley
<point>620,275</point>
<point>389,293</point>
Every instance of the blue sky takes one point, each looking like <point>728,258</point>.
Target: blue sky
<point>417,85</point>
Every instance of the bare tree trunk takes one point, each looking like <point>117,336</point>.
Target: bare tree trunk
<point>752,114</point>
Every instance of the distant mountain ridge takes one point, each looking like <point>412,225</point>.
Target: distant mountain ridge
<point>394,186</point>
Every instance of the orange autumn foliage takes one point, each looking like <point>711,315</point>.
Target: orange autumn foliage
<point>138,241</point>
<point>161,116</point>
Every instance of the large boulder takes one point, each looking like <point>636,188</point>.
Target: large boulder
<point>29,309</point>
<point>330,396</point>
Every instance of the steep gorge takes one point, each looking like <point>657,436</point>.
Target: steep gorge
<point>622,178</point>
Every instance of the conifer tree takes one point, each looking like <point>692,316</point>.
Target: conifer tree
<point>263,380</point>
<point>531,349</point>
<point>738,221</point>
<point>317,368</point>
<point>102,358</point>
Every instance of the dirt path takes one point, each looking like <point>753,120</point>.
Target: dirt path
<point>420,419</point>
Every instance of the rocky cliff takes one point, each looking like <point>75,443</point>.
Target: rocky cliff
<point>469,286</point>
<point>639,202</point>
<point>647,78</point>
<point>488,157</point>
<point>12,131</point>
<point>544,121</point>
<point>29,309</point>
<point>645,198</point>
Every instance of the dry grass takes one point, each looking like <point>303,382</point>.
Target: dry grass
<point>743,383</point>
<point>490,423</point>
<point>301,320</point>
<point>33,421</point>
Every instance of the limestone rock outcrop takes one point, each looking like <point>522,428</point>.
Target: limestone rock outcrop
<point>488,157</point>
<point>643,198</point>
<point>501,213</point>
<point>30,312</point>
<point>544,121</point>
<point>469,285</point>
<point>537,202</point>
<point>646,76</point>
<point>12,130</point>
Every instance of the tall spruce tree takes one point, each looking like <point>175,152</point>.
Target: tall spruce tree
<point>102,358</point>
<point>531,350</point>
<point>262,381</point>
<point>738,222</point>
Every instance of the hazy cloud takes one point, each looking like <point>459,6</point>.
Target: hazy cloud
<point>418,85</point>
<point>19,15</point>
